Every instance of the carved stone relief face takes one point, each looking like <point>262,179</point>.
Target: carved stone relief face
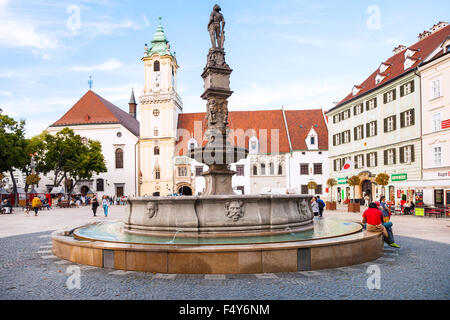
<point>303,209</point>
<point>152,209</point>
<point>235,210</point>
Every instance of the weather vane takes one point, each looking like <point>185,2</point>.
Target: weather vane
<point>90,82</point>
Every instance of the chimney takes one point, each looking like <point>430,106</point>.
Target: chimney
<point>438,26</point>
<point>399,48</point>
<point>132,105</point>
<point>423,35</point>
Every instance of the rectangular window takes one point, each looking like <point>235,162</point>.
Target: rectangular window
<point>389,96</point>
<point>317,168</point>
<point>337,118</point>
<point>304,169</point>
<point>345,114</point>
<point>390,124</point>
<point>437,124</point>
<point>359,161</point>
<point>318,189</point>
<point>304,189</point>
<point>359,132</point>
<point>389,157</point>
<point>371,104</point>
<point>198,171</point>
<point>407,118</point>
<point>347,138</point>
<point>371,129</point>
<point>239,170</point>
<point>437,156</point>
<point>263,169</point>
<point>337,165</point>
<point>337,139</point>
<point>182,172</point>
<point>435,88</point>
<point>372,159</point>
<point>358,109</point>
<point>407,88</point>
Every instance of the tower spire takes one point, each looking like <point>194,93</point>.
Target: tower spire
<point>132,104</point>
<point>90,82</point>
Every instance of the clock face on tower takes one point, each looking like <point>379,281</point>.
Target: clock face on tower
<point>156,78</point>
<point>156,112</point>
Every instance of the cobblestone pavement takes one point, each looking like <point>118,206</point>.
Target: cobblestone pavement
<point>418,270</point>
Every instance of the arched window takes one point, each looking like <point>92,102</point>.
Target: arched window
<point>156,66</point>
<point>155,132</point>
<point>263,168</point>
<point>280,169</point>
<point>255,170</point>
<point>100,185</point>
<point>119,158</point>
<point>156,151</point>
<point>271,168</point>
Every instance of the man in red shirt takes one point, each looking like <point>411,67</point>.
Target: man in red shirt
<point>373,217</point>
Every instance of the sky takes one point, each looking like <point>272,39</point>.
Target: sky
<point>292,53</point>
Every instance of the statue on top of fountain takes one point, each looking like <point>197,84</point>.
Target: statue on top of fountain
<point>216,27</point>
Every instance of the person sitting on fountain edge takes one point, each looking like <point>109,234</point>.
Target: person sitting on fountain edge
<point>386,221</point>
<point>374,218</point>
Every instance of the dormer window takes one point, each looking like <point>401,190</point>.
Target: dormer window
<point>383,67</point>
<point>379,78</point>
<point>254,145</point>
<point>356,90</point>
<point>313,140</point>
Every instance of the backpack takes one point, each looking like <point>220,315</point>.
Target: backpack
<point>321,204</point>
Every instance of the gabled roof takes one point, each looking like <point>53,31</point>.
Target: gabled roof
<point>92,109</point>
<point>421,49</point>
<point>300,123</point>
<point>260,123</point>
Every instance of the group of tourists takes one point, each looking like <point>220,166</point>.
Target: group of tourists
<point>377,219</point>
<point>317,206</point>
<point>105,203</point>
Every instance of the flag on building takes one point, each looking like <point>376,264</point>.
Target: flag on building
<point>347,165</point>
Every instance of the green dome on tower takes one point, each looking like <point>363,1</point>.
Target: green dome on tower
<point>160,44</point>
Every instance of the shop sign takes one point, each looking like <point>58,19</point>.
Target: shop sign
<point>342,180</point>
<point>419,212</point>
<point>399,177</point>
<point>444,174</point>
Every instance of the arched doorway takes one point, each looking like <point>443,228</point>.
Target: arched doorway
<point>185,191</point>
<point>84,190</point>
<point>366,187</point>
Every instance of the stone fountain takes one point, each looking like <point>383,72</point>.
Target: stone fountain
<point>219,231</point>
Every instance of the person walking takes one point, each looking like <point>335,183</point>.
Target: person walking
<point>105,205</point>
<point>315,206</point>
<point>321,206</point>
<point>36,203</point>
<point>95,205</point>
<point>366,200</point>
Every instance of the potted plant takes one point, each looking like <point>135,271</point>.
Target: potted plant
<point>331,205</point>
<point>312,186</point>
<point>354,206</point>
<point>382,179</point>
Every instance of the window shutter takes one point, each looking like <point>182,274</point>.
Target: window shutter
<point>394,122</point>
<point>376,159</point>
<point>376,131</point>
<point>402,155</point>
<point>362,160</point>
<point>355,134</point>
<point>395,155</point>
<point>385,98</point>
<point>402,90</point>
<point>355,160</point>
<point>334,140</point>
<point>412,86</point>
<point>385,158</point>
<point>349,135</point>
<point>368,159</point>
<point>412,153</point>
<point>354,110</point>
<point>394,94</point>
<point>412,117</point>
<point>402,120</point>
<point>375,102</point>
<point>334,165</point>
<point>385,124</point>
<point>362,131</point>
<point>367,130</point>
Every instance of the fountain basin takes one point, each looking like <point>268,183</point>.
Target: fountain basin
<point>330,244</point>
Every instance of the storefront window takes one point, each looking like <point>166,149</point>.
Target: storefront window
<point>391,193</point>
<point>419,197</point>
<point>438,197</point>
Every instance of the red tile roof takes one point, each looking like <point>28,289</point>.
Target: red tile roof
<point>422,49</point>
<point>93,109</point>
<point>300,123</point>
<point>261,123</point>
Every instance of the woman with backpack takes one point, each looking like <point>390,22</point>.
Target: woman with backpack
<point>95,205</point>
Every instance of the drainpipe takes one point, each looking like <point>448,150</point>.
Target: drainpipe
<point>136,174</point>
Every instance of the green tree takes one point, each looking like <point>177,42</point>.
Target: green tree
<point>65,155</point>
<point>13,148</point>
<point>90,160</point>
<point>354,181</point>
<point>331,183</point>
<point>312,185</point>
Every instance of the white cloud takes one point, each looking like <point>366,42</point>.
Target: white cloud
<point>110,64</point>
<point>17,32</point>
<point>109,27</point>
<point>5,93</point>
